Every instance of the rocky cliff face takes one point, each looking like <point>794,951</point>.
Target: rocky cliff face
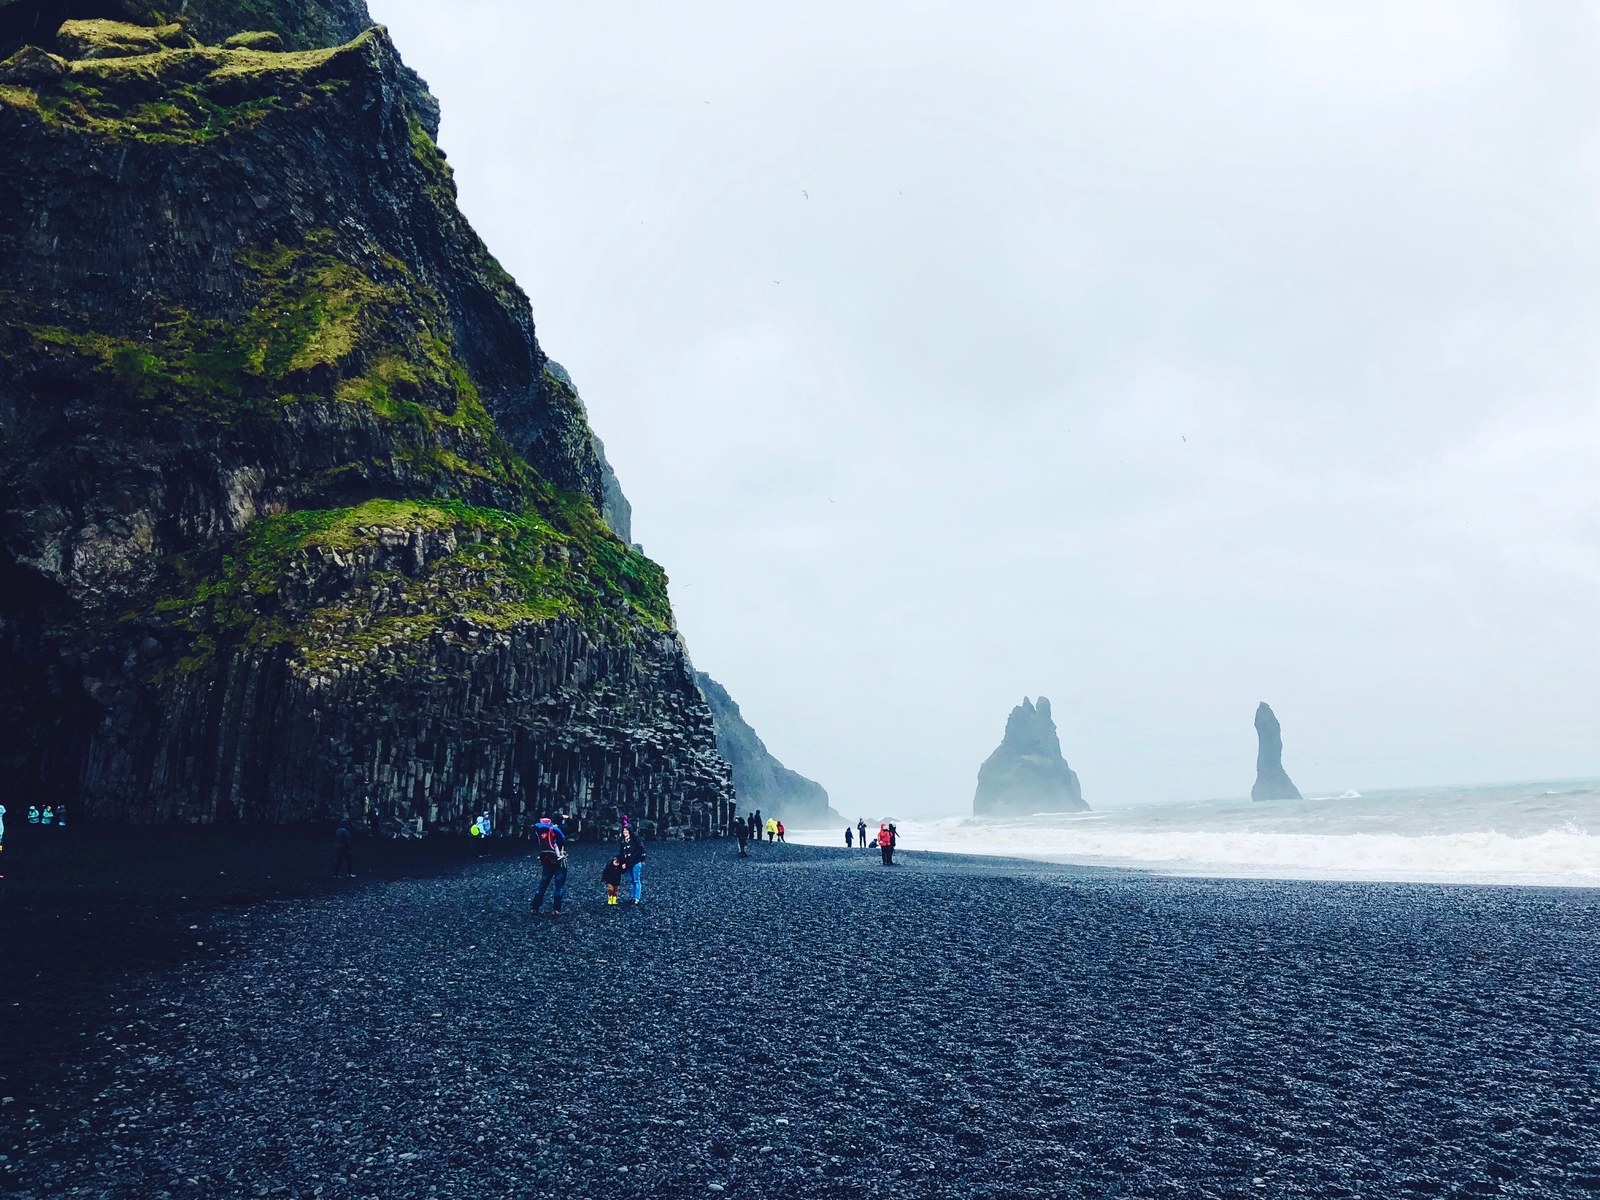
<point>1272,781</point>
<point>1026,773</point>
<point>759,779</point>
<point>294,505</point>
<point>614,506</point>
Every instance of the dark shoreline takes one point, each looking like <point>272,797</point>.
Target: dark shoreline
<point>803,1023</point>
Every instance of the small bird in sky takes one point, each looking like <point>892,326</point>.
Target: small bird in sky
<point>805,193</point>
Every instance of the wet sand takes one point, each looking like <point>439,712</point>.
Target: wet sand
<point>805,1023</point>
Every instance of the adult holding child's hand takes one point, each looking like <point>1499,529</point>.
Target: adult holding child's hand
<point>631,851</point>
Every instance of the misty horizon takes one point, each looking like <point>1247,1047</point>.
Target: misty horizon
<point>1154,361</point>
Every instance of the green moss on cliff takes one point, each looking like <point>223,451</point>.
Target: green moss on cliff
<point>98,38</point>
<point>335,586</point>
<point>191,96</point>
<point>315,321</point>
<point>427,153</point>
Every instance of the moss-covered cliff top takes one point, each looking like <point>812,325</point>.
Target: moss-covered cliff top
<point>153,87</point>
<point>328,360</point>
<point>298,24</point>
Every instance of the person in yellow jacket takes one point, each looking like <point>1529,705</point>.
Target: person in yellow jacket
<point>772,829</point>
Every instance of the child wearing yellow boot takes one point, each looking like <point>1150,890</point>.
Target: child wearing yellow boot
<point>613,879</point>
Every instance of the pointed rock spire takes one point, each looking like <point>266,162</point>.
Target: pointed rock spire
<point>1272,782</point>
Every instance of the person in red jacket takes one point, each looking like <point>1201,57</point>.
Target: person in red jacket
<point>886,844</point>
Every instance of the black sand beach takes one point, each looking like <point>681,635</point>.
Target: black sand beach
<point>805,1023</point>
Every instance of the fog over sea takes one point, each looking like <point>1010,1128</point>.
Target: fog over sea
<point>1545,833</point>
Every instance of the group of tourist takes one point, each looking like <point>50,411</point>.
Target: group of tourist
<point>50,814</point>
<point>626,866</point>
<point>749,829</point>
<point>887,838</point>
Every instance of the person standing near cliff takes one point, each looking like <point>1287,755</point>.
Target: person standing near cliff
<point>552,840</point>
<point>772,830</point>
<point>631,851</point>
<point>341,851</point>
<point>742,832</point>
<point>756,827</point>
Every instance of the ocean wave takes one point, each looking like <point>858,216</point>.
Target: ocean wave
<point>1564,856</point>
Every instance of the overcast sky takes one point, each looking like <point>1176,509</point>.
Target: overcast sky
<point>1157,358</point>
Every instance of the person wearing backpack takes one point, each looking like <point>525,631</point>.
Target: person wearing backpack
<point>631,851</point>
<point>552,841</point>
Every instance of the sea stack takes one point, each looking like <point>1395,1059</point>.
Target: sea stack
<point>1272,782</point>
<point>1027,773</point>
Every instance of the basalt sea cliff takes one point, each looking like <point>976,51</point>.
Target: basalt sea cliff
<point>294,511</point>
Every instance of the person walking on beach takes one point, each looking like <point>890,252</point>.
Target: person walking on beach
<point>849,837</point>
<point>552,842</point>
<point>742,832</point>
<point>886,844</point>
<point>341,851</point>
<point>631,852</point>
<point>780,831</point>
<point>772,830</point>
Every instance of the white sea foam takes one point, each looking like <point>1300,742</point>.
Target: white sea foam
<point>1503,834</point>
